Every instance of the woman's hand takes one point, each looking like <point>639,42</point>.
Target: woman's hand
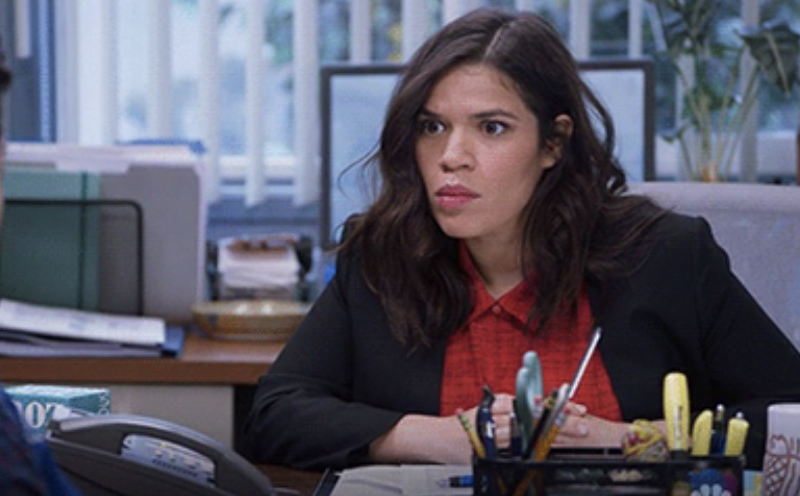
<point>590,431</point>
<point>501,414</point>
<point>430,439</point>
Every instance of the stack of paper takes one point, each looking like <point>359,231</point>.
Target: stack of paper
<point>255,271</point>
<point>35,330</point>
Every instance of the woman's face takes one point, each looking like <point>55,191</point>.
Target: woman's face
<point>479,154</point>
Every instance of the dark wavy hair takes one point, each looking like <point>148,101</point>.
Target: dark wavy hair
<point>577,224</point>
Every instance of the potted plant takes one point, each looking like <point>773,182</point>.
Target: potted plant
<point>709,66</point>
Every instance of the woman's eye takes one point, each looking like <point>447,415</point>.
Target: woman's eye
<point>430,127</point>
<point>494,128</point>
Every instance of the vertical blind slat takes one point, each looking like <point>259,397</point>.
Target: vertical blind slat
<point>415,26</point>
<point>23,43</point>
<point>68,115</point>
<point>452,9</point>
<point>635,29</point>
<point>525,5</point>
<point>360,42</point>
<point>306,100</point>
<point>580,24</point>
<point>254,95</point>
<point>110,72</point>
<point>209,83</point>
<point>46,124</point>
<point>159,108</point>
<point>748,154</point>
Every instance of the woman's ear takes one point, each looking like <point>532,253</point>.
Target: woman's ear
<point>562,132</point>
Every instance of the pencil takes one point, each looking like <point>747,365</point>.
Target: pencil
<point>477,446</point>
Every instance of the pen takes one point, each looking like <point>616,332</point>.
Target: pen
<point>456,481</point>
<point>553,427</point>
<point>516,436</point>
<point>587,355</point>
<point>544,409</point>
<point>552,424</point>
<point>477,446</point>
<point>718,431</point>
<point>485,423</point>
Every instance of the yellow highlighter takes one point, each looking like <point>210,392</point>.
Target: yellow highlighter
<point>701,433</point>
<point>676,413</point>
<point>737,435</point>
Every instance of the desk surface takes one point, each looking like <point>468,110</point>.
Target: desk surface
<point>203,361</point>
<point>300,480</point>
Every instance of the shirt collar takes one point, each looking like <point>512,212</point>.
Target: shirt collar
<point>517,302</point>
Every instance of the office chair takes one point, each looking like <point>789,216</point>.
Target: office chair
<point>759,227</point>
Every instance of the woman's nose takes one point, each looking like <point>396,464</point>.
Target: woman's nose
<point>457,152</point>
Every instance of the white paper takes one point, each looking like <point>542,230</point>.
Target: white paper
<point>79,324</point>
<point>401,480</point>
<point>258,269</point>
<point>115,159</point>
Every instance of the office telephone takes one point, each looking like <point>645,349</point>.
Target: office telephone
<point>130,455</point>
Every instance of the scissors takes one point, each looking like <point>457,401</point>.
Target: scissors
<point>529,386</point>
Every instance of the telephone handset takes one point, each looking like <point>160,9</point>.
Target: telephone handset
<point>131,455</point>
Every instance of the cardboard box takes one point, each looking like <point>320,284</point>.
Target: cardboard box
<point>36,403</point>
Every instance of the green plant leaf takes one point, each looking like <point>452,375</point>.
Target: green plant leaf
<point>676,134</point>
<point>687,26</point>
<point>775,48</point>
<point>676,33</point>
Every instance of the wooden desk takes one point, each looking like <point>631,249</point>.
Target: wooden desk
<point>198,389</point>
<point>203,361</point>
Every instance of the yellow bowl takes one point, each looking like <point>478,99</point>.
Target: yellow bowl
<point>250,319</point>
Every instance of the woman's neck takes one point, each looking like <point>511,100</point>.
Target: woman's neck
<point>498,264</point>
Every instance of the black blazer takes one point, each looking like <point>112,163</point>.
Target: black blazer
<point>344,380</point>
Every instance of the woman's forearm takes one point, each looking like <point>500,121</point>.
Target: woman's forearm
<point>423,439</point>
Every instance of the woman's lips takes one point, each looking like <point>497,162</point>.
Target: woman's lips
<point>455,196</point>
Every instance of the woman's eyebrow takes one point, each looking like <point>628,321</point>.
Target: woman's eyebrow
<point>427,113</point>
<point>483,114</point>
<point>487,114</point>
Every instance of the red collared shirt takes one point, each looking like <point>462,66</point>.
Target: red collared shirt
<point>488,350</point>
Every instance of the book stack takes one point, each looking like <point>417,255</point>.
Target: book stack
<point>36,330</point>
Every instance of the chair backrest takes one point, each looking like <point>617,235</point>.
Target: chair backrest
<point>759,227</point>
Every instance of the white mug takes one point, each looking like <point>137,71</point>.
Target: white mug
<point>781,472</point>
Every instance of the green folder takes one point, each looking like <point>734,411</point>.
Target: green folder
<point>49,254</point>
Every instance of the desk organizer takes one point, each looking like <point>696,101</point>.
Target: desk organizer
<point>570,474</point>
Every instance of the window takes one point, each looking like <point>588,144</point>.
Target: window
<point>30,55</point>
<point>88,67</point>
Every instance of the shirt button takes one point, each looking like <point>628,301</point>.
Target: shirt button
<point>496,309</point>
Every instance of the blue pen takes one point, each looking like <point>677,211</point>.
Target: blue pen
<point>456,481</point>
<point>485,423</point>
<point>718,432</point>
<point>516,436</point>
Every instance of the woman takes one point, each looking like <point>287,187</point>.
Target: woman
<point>502,226</point>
